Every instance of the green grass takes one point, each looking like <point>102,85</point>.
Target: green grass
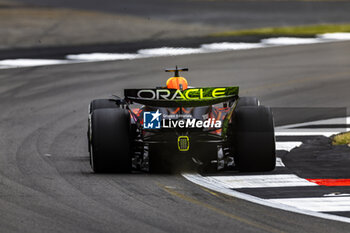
<point>341,139</point>
<point>291,31</point>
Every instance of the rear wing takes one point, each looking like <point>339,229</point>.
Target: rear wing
<point>192,97</point>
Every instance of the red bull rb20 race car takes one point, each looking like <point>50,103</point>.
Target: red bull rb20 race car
<point>177,127</point>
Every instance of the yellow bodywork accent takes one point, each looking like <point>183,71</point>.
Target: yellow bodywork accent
<point>183,143</point>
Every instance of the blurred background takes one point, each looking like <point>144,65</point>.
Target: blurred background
<point>58,55</point>
<point>43,23</point>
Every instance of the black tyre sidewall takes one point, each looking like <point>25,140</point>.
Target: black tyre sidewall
<point>254,139</point>
<point>98,104</point>
<point>110,140</point>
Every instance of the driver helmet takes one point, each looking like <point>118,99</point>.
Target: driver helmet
<point>179,83</point>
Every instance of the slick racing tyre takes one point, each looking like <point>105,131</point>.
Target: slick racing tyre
<point>247,101</point>
<point>254,139</point>
<point>110,140</point>
<point>99,104</point>
<point>102,103</point>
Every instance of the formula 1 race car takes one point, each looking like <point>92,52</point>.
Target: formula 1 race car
<point>173,128</point>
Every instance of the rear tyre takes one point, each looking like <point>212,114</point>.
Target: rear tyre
<point>102,103</point>
<point>254,139</point>
<point>110,140</point>
<point>247,101</point>
<point>98,104</point>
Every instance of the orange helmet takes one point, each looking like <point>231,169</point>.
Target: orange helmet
<point>179,83</point>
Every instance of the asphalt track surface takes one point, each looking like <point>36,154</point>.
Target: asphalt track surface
<point>46,183</point>
<point>234,14</point>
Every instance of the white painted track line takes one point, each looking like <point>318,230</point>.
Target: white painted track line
<point>336,36</point>
<point>288,146</point>
<point>279,162</point>
<point>14,63</point>
<point>304,133</point>
<point>290,41</point>
<point>259,181</point>
<point>171,51</point>
<point>319,204</point>
<point>334,121</point>
<point>103,56</point>
<point>290,130</point>
<point>225,46</point>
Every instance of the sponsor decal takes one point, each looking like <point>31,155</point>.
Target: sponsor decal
<point>151,120</point>
<point>191,123</point>
<point>155,120</point>
<point>188,94</point>
<point>177,116</point>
